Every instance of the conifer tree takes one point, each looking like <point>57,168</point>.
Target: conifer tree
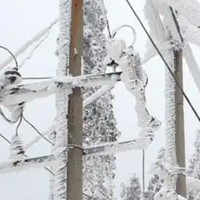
<point>131,190</point>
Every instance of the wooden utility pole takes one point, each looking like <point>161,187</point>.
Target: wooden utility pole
<point>179,123</point>
<point>75,110</point>
<point>179,114</point>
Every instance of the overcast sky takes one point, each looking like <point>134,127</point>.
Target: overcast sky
<point>22,19</point>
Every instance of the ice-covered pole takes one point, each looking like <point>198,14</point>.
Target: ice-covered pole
<point>75,115</point>
<point>61,125</point>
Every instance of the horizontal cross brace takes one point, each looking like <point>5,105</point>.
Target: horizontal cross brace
<point>105,149</point>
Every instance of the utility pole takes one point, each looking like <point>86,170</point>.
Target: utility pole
<point>179,123</point>
<point>179,114</point>
<point>75,109</point>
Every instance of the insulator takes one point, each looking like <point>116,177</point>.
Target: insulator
<point>52,135</point>
<point>17,149</point>
<point>10,76</point>
<point>115,49</point>
<point>130,64</point>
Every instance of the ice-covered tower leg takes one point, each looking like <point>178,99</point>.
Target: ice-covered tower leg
<point>169,187</point>
<point>52,137</point>
<point>60,151</point>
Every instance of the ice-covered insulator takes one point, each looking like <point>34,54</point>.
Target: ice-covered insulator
<point>16,149</point>
<point>10,76</point>
<point>154,124</point>
<point>130,64</point>
<point>146,132</point>
<point>52,135</point>
<point>115,49</point>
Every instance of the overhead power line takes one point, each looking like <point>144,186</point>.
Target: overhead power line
<point>163,59</point>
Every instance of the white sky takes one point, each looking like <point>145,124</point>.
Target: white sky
<point>22,19</point>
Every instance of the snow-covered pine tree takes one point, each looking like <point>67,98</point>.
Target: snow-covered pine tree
<point>155,182</point>
<point>194,167</point>
<point>132,189</point>
<point>99,121</point>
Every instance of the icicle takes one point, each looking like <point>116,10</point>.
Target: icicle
<point>16,149</point>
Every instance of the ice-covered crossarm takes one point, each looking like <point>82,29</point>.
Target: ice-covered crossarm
<point>26,164</point>
<point>104,149</point>
<point>16,94</point>
<point>117,147</point>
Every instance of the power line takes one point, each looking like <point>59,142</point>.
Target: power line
<point>34,49</point>
<point>163,59</point>
<point>107,22</point>
<point>13,56</point>
<point>30,124</point>
<point>37,78</point>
